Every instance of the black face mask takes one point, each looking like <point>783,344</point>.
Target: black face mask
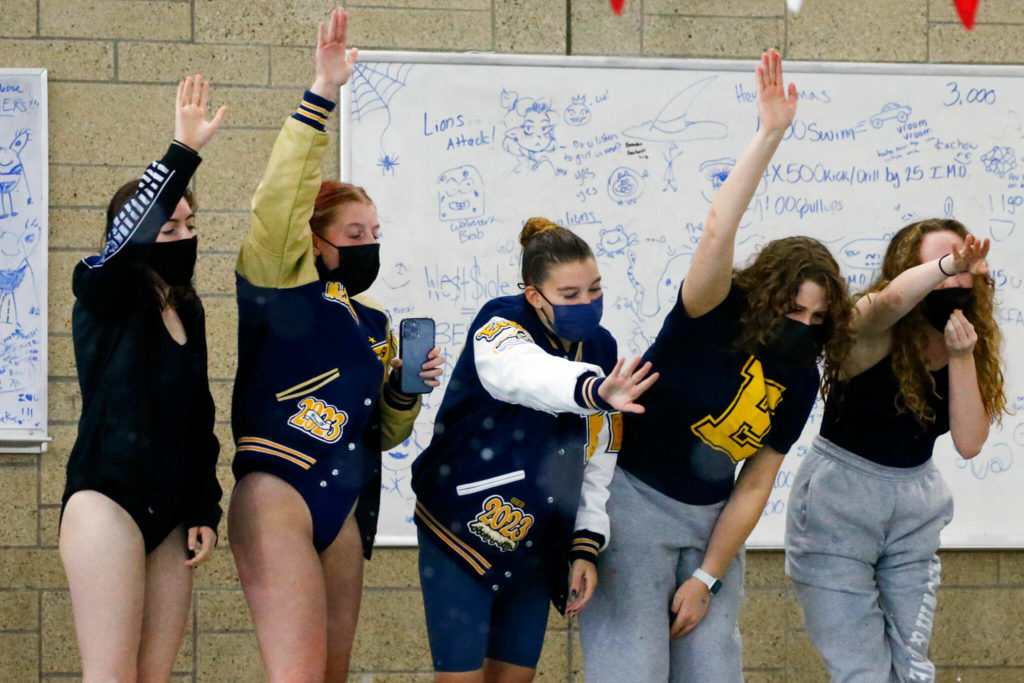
<point>357,267</point>
<point>939,304</point>
<point>174,261</point>
<point>798,343</point>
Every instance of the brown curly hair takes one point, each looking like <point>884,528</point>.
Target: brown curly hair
<point>908,341</point>
<point>770,284</point>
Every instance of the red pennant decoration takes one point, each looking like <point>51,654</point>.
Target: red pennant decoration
<point>966,9</point>
<point>617,5</point>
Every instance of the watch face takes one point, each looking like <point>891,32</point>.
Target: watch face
<point>715,587</point>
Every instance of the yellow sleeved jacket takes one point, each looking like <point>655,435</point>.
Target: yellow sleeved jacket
<point>311,399</point>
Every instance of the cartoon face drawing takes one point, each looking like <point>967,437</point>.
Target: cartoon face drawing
<point>625,185</point>
<point>615,240</point>
<point>17,244</point>
<point>460,193</point>
<point>537,132</point>
<point>11,172</point>
<point>577,113</point>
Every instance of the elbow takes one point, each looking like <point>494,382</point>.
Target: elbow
<point>969,447</point>
<point>967,451</point>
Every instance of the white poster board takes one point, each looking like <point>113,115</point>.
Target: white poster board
<point>458,150</point>
<point>23,252</point>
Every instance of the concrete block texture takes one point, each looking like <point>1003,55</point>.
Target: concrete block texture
<point>883,31</point>
<point>112,68</point>
<point>65,60</point>
<point>129,19</point>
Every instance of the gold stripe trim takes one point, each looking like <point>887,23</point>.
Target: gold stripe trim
<point>427,517</point>
<point>312,114</point>
<point>307,103</point>
<point>272,444</point>
<point>260,449</point>
<point>304,386</point>
<point>442,537</point>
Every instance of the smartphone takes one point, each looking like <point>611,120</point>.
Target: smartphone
<point>416,339</point>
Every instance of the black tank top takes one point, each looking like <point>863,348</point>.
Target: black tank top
<point>861,416</point>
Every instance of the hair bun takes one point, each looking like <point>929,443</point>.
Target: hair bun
<point>534,227</point>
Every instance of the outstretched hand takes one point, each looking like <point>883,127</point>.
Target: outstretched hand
<point>190,110</point>
<point>625,383</point>
<point>775,108</point>
<point>971,259</point>
<point>335,61</point>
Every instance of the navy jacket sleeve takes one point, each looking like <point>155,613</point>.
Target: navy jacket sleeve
<point>106,282</point>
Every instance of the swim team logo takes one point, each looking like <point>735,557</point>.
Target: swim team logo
<point>319,420</point>
<point>336,292</point>
<point>740,430</point>
<point>503,334</point>
<point>501,524</point>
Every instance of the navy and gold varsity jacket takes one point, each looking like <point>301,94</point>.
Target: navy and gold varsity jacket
<point>312,362</point>
<point>500,483</point>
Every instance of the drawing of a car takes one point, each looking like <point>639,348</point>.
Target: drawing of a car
<point>892,110</point>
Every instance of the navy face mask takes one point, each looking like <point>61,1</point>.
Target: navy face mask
<point>939,304</point>
<point>798,343</point>
<point>576,322</point>
<point>357,266</point>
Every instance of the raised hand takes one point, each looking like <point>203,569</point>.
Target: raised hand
<point>972,257</point>
<point>625,383</point>
<point>773,106</point>
<point>190,110</point>
<point>335,61</point>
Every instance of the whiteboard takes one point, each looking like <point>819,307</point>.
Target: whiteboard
<point>458,150</point>
<point>23,274</point>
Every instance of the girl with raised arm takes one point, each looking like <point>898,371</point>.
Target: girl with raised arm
<point>868,503</point>
<point>141,503</point>
<point>525,425</point>
<point>737,357</point>
<point>315,398</point>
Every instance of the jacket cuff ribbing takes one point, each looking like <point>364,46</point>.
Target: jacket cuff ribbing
<point>314,110</point>
<point>586,395</point>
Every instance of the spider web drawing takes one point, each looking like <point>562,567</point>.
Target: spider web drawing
<point>374,85</point>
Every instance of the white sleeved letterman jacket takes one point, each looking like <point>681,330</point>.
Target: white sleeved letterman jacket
<point>521,434</point>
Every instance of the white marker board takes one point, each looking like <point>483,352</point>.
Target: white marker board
<point>458,150</point>
<point>23,273</point>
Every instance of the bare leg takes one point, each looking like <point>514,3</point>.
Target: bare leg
<point>343,578</point>
<point>105,560</point>
<point>503,672</point>
<point>271,536</point>
<point>459,677</point>
<point>165,612</point>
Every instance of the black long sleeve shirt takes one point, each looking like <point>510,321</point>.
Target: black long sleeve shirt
<point>147,413</point>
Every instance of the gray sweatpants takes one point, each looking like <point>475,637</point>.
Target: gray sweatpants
<point>861,540</point>
<point>656,543</point>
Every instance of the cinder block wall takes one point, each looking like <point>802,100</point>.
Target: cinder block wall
<point>112,68</point>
